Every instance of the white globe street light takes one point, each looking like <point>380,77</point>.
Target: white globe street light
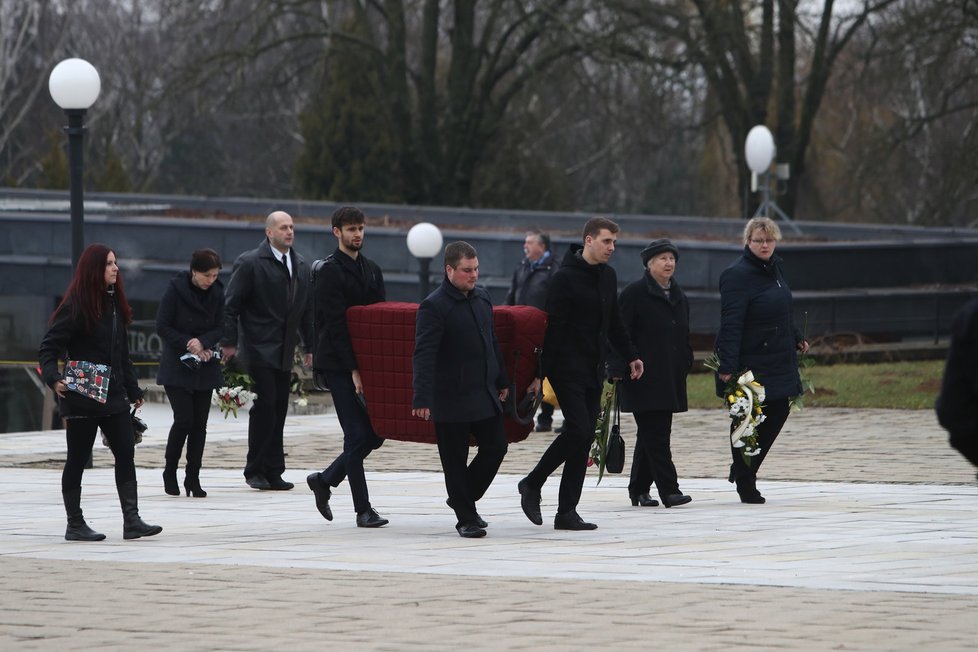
<point>74,86</point>
<point>424,242</point>
<point>759,149</point>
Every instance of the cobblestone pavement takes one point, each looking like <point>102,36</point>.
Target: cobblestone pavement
<point>869,541</point>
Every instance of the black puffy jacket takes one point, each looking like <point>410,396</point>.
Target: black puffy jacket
<point>68,338</point>
<point>757,330</point>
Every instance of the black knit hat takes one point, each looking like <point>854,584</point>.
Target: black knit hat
<point>657,247</point>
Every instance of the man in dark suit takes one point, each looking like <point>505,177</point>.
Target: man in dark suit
<point>460,382</point>
<point>268,297</point>
<point>529,286</point>
<point>347,278</point>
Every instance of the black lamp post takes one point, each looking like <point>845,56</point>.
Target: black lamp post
<point>74,86</point>
<point>424,242</point>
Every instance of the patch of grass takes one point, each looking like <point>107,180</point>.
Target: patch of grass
<point>899,385</point>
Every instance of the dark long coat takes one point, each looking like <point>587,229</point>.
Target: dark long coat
<point>458,366</point>
<point>957,404</point>
<point>757,330</point>
<point>531,282</point>
<point>342,282</point>
<point>274,311</point>
<point>659,327</point>
<point>68,337</point>
<point>583,317</point>
<point>187,312</point>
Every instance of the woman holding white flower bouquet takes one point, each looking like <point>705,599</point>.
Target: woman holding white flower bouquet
<point>190,322</point>
<point>757,335</point>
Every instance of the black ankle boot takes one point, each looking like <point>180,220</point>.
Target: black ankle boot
<point>77,529</point>
<point>192,484</point>
<point>170,485</point>
<point>133,526</point>
<point>643,500</point>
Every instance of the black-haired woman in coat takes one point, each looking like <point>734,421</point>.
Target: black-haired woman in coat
<point>190,322</point>
<point>89,326</point>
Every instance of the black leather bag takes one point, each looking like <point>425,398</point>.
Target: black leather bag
<point>615,457</point>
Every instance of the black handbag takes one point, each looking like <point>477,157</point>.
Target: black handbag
<point>615,457</point>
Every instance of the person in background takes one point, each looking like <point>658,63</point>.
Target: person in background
<point>758,333</point>
<point>89,325</point>
<point>190,322</point>
<point>958,400</point>
<point>268,297</point>
<point>460,383</point>
<point>347,278</point>
<point>529,286</point>
<point>656,314</point>
<point>583,318</point>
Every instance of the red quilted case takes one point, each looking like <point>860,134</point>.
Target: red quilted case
<point>383,340</point>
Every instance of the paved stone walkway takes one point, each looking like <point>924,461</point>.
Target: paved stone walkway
<point>869,541</point>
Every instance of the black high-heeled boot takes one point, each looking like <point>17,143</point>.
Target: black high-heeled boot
<point>170,485</point>
<point>643,500</point>
<point>192,485</point>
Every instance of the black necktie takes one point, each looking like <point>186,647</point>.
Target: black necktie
<point>285,264</point>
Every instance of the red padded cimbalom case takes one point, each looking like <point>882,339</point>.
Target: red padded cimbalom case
<point>383,340</point>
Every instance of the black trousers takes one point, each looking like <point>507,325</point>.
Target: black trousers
<point>467,484</point>
<point>652,460</point>
<point>80,436</point>
<point>190,411</point>
<point>776,413</point>
<point>359,439</point>
<point>266,421</point>
<point>579,404</point>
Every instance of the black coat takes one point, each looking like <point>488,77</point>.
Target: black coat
<point>68,338</point>
<point>531,282</point>
<point>659,327</point>
<point>187,312</point>
<point>273,310</point>
<point>458,366</point>
<point>757,330</point>
<point>957,404</point>
<point>583,315</point>
<point>342,282</point>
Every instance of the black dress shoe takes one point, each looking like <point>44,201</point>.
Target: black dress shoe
<point>278,484</point>
<point>470,531</point>
<point>370,518</point>
<point>258,482</point>
<point>478,519</point>
<point>544,427</point>
<point>674,500</point>
<point>643,500</point>
<point>530,502</point>
<point>572,521</point>
<point>322,493</point>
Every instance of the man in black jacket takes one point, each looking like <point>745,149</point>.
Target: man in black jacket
<point>959,391</point>
<point>347,278</point>
<point>460,382</point>
<point>529,286</point>
<point>268,297</point>
<point>583,315</point>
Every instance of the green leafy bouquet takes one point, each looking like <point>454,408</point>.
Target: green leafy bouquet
<point>606,417</point>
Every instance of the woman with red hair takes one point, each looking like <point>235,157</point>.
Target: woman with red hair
<point>89,326</point>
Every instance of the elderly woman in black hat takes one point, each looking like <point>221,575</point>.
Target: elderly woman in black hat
<point>656,313</point>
